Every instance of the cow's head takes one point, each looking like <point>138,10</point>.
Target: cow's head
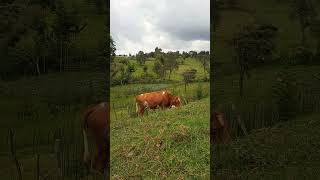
<point>175,102</point>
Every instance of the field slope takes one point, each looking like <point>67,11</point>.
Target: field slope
<point>289,150</point>
<point>167,144</point>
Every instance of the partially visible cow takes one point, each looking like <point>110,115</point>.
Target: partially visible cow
<point>219,128</point>
<point>153,100</point>
<point>96,125</point>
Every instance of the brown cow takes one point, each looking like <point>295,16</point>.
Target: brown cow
<point>152,100</point>
<point>96,125</point>
<point>219,128</point>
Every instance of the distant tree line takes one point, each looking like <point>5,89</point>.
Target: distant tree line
<point>164,64</point>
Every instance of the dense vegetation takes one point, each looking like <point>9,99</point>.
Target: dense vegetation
<point>39,37</point>
<point>53,64</point>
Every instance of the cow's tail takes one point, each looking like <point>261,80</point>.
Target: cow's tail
<point>86,148</point>
<point>84,132</point>
<point>137,108</point>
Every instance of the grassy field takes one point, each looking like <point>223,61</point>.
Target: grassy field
<point>165,144</point>
<point>289,150</point>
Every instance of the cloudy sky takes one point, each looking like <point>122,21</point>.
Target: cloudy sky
<point>172,25</point>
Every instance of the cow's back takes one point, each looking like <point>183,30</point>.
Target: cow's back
<point>153,99</point>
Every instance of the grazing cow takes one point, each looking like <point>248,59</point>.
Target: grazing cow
<point>219,128</point>
<point>152,100</point>
<point>96,125</point>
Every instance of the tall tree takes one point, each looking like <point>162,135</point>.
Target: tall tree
<point>141,58</point>
<point>171,62</point>
<point>315,29</point>
<point>112,49</point>
<point>253,45</point>
<point>304,12</point>
<point>66,26</point>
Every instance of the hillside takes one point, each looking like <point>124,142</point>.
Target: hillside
<point>167,144</point>
<point>289,150</point>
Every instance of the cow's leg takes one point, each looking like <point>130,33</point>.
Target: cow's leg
<point>100,158</point>
<point>141,111</point>
<point>100,161</point>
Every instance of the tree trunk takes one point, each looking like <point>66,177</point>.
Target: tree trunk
<point>241,83</point>
<point>44,64</point>
<point>303,36</point>
<point>170,75</point>
<point>61,56</point>
<point>37,66</point>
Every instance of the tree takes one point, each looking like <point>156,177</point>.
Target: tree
<point>66,25</point>
<point>205,62</point>
<point>171,62</point>
<point>157,52</point>
<point>145,70</point>
<point>315,30</point>
<point>253,45</point>
<point>304,11</point>
<point>185,55</point>
<point>141,58</point>
<point>193,54</point>
<point>112,49</point>
<point>130,70</point>
<point>159,68</point>
<point>188,77</point>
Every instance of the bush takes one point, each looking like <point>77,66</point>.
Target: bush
<point>300,55</point>
<point>199,92</point>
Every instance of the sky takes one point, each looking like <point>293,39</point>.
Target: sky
<point>172,25</point>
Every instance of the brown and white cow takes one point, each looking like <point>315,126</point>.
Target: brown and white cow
<point>153,100</point>
<point>96,125</point>
<point>219,128</point>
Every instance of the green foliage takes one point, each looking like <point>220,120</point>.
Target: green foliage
<point>159,67</point>
<point>140,57</point>
<point>170,62</point>
<point>253,45</point>
<point>112,48</point>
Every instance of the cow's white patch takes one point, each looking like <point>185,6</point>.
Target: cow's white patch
<point>163,92</point>
<point>141,95</point>
<point>173,106</point>
<point>145,103</point>
<point>179,100</point>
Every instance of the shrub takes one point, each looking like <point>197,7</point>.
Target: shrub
<point>199,92</point>
<point>300,55</point>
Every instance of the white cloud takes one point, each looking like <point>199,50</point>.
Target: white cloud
<point>171,25</point>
